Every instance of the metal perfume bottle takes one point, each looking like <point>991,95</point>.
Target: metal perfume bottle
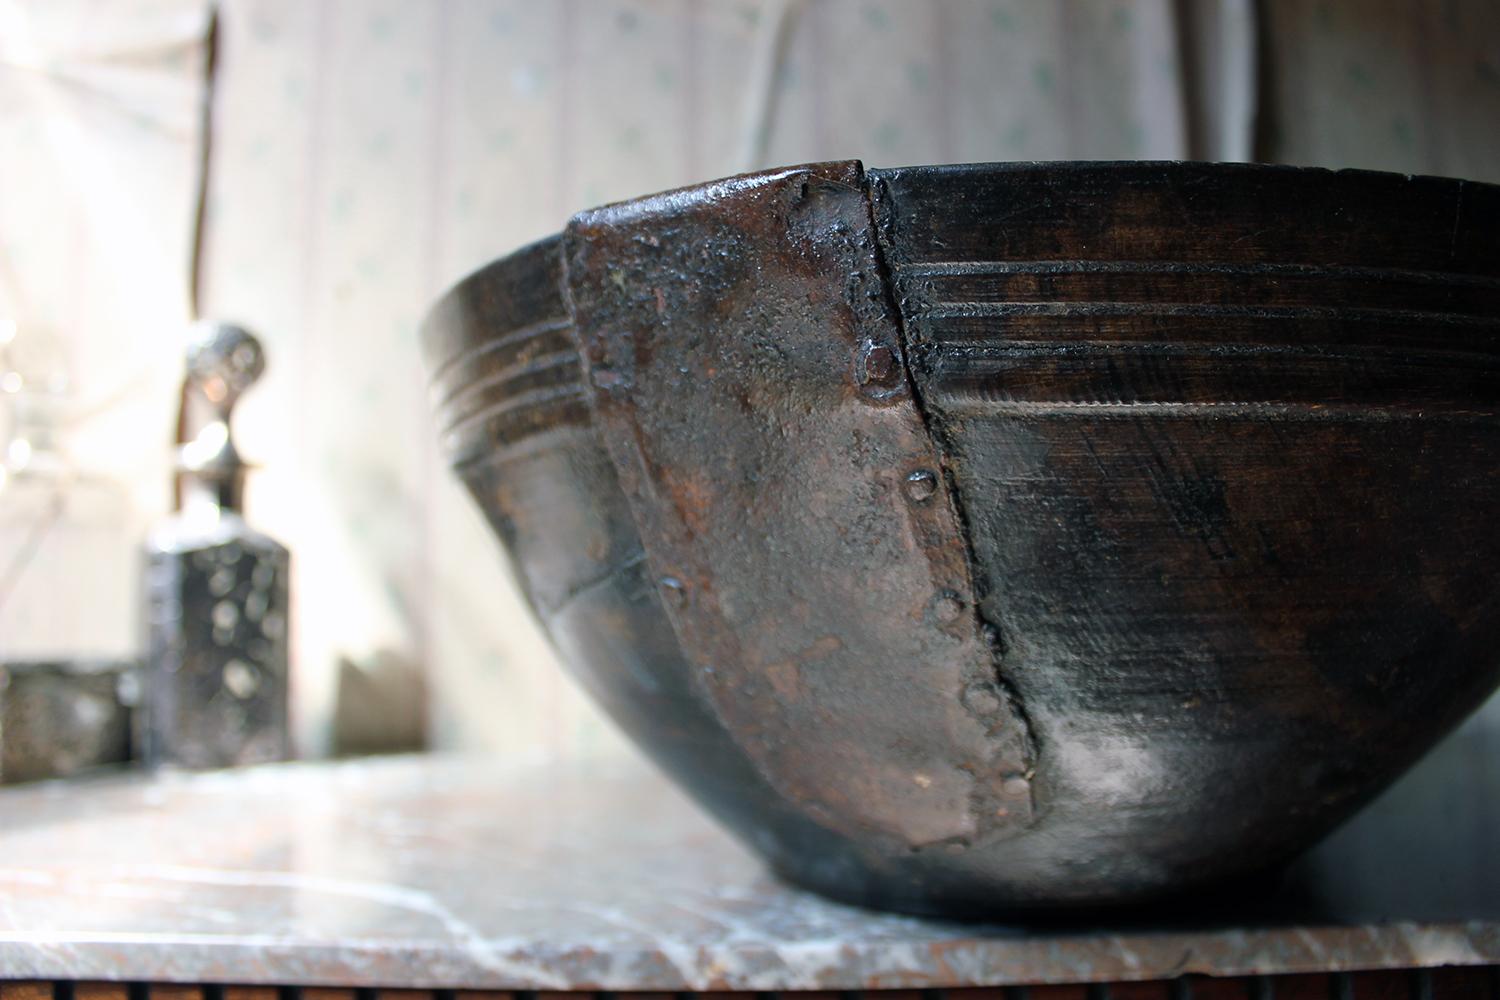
<point>216,675</point>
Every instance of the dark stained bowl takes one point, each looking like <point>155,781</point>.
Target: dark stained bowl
<point>999,537</point>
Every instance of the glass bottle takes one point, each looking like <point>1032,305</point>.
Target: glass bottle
<point>215,681</point>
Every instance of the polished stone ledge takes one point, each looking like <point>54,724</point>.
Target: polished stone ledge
<point>469,873</point>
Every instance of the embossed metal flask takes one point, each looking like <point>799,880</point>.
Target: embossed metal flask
<point>216,679</point>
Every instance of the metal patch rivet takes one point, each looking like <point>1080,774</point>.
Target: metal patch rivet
<point>673,591</point>
<point>947,608</point>
<point>920,486</point>
<point>981,699</point>
<point>877,364</point>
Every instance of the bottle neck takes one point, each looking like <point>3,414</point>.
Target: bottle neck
<point>210,476</point>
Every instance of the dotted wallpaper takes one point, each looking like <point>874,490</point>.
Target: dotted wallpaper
<point>370,152</point>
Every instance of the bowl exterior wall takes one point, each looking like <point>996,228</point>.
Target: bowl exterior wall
<point>1220,450</point>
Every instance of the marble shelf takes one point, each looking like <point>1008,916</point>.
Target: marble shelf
<point>444,872</point>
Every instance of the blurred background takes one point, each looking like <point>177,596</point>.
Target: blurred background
<point>364,154</point>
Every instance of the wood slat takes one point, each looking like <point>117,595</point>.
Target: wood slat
<point>174,991</point>
<point>1458,983</point>
<point>326,993</point>
<point>100,991</point>
<point>26,990</point>
<point>1150,990</point>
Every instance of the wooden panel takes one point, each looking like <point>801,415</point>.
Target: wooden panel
<point>163,991</point>
<point>1480,983</point>
<point>1461,983</point>
<point>25,991</point>
<point>1310,987</point>
<point>1154,990</point>
<point>327,994</point>
<point>1382,985</point>
<point>251,993</point>
<point>101,991</point>
<point>1208,988</point>
<point>1058,992</point>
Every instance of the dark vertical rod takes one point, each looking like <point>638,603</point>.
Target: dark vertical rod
<point>1264,141</point>
<point>205,160</point>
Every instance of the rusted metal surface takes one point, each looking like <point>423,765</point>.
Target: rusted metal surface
<point>748,380</point>
<point>995,537</point>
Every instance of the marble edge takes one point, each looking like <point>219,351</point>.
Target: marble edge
<point>485,964</point>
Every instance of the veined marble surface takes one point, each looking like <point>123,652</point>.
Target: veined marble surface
<point>457,872</point>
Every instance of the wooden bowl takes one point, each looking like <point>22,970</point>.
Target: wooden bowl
<point>997,537</point>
